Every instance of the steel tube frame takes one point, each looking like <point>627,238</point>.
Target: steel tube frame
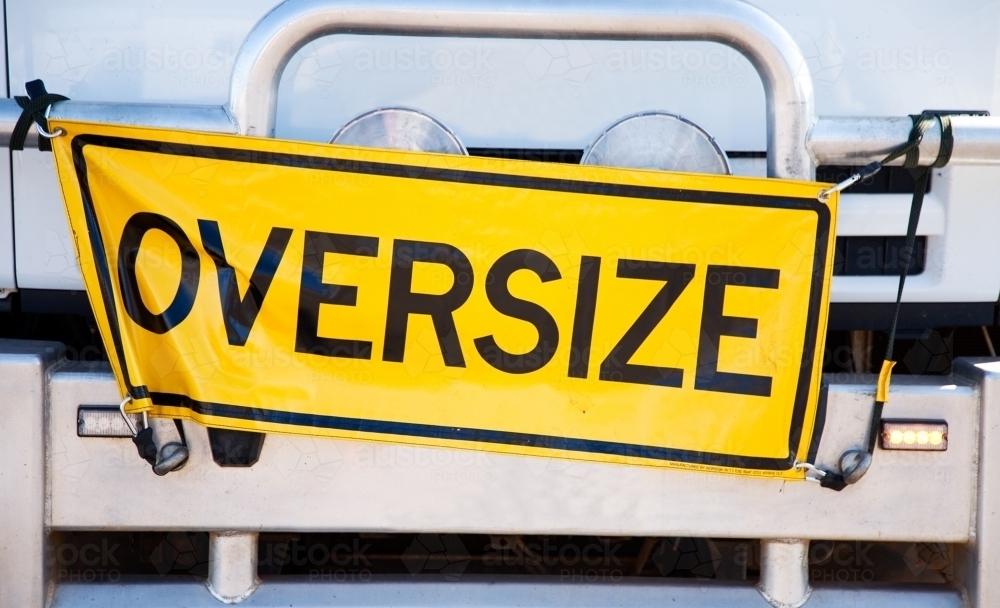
<point>784,574</point>
<point>232,566</point>
<point>832,140</point>
<point>859,140</point>
<point>769,48</point>
<point>23,568</point>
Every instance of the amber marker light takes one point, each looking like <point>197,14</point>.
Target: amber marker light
<point>923,435</point>
<point>103,421</point>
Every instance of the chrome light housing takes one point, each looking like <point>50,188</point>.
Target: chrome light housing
<point>657,140</point>
<point>399,129</point>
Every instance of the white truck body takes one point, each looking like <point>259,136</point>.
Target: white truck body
<point>895,60</point>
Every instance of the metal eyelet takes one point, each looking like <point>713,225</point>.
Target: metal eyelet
<point>128,420</point>
<point>48,135</point>
<point>45,133</point>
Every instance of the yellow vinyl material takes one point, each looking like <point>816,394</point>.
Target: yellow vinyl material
<point>614,315</point>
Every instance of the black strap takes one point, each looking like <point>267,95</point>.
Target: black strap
<point>911,149</point>
<point>180,431</point>
<point>143,441</point>
<point>33,110</point>
<point>833,481</point>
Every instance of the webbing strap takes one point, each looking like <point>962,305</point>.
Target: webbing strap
<point>33,110</point>
<point>911,149</point>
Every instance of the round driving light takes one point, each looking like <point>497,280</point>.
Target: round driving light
<point>399,129</point>
<point>657,140</point>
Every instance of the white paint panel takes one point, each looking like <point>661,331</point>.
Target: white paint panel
<point>899,59</point>
<point>46,258</point>
<point>887,215</point>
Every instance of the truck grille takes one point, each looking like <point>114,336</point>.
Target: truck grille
<point>876,255</point>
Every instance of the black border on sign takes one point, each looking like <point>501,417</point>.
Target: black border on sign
<point>467,177</point>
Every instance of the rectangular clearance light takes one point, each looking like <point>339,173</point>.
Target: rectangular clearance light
<point>104,421</point>
<point>926,435</point>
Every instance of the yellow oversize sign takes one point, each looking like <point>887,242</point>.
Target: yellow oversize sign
<point>603,314</point>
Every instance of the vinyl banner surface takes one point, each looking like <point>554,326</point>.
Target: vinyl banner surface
<point>614,315</point>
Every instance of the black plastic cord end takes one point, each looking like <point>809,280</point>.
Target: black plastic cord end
<point>869,170</point>
<point>833,481</point>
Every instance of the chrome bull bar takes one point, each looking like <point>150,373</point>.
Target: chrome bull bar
<point>797,141</point>
<point>52,480</point>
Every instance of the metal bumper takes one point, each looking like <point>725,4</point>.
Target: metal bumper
<point>53,480</point>
<point>372,487</point>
